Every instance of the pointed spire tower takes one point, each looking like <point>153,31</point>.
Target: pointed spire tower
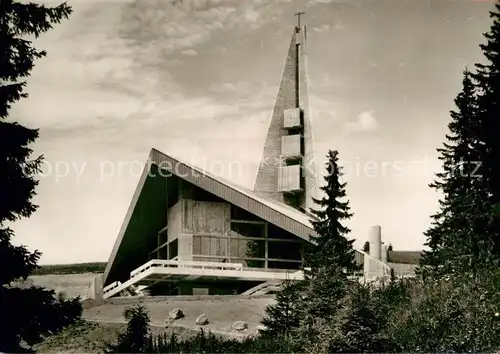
<point>287,171</point>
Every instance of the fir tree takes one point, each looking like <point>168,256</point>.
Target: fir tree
<point>359,325</point>
<point>322,296</point>
<point>465,234</point>
<point>25,314</point>
<point>331,248</point>
<point>327,264</point>
<point>137,336</point>
<point>488,83</point>
<point>453,236</point>
<point>283,317</point>
<point>330,260</point>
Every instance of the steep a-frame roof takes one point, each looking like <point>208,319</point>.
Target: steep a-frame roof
<point>146,214</point>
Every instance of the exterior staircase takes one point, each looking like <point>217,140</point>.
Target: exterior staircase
<point>264,288</point>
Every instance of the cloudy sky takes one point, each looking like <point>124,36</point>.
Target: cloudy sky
<point>197,79</point>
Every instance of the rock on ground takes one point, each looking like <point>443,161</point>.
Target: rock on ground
<point>240,325</point>
<point>176,314</point>
<point>202,320</point>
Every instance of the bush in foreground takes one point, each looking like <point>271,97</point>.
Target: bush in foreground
<point>454,314</point>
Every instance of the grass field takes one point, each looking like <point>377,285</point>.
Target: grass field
<point>72,285</point>
<point>222,311</point>
<point>405,257</point>
<point>76,268</point>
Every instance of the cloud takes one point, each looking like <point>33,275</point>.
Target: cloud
<point>190,52</point>
<point>117,77</point>
<point>224,88</point>
<point>312,3</point>
<point>322,28</point>
<point>337,25</point>
<point>249,96</point>
<point>365,122</point>
<point>189,23</point>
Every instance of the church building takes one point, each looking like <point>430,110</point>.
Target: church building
<point>188,232</point>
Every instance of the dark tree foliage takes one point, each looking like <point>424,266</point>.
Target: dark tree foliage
<point>453,237</point>
<point>331,248</point>
<point>359,325</point>
<point>326,266</point>
<point>30,314</point>
<point>25,314</point>
<point>453,314</point>
<point>283,317</point>
<point>366,247</point>
<point>320,303</point>
<point>465,234</point>
<point>488,83</point>
<point>136,337</point>
<point>330,260</point>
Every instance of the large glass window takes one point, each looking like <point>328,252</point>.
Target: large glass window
<point>162,237</point>
<point>246,243</point>
<point>275,232</point>
<point>202,195</point>
<point>240,214</point>
<point>173,249</point>
<point>242,248</point>
<point>247,230</point>
<point>285,250</point>
<point>212,246</point>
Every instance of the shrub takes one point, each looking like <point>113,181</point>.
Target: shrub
<point>136,337</point>
<point>454,314</point>
<point>359,325</point>
<point>284,316</point>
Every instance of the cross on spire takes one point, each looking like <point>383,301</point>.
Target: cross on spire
<point>298,14</point>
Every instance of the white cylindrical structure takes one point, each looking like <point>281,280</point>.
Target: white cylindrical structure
<point>95,288</point>
<point>375,240</point>
<point>384,253</point>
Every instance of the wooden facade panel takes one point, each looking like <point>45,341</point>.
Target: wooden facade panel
<point>211,246</point>
<point>206,217</point>
<point>174,221</point>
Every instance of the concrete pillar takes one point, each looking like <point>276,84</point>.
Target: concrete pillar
<point>95,289</point>
<point>375,240</point>
<point>367,268</point>
<point>384,253</point>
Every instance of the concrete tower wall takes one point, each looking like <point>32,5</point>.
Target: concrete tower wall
<point>384,253</point>
<point>309,165</point>
<point>266,182</point>
<point>95,288</point>
<point>375,240</point>
<point>292,94</point>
